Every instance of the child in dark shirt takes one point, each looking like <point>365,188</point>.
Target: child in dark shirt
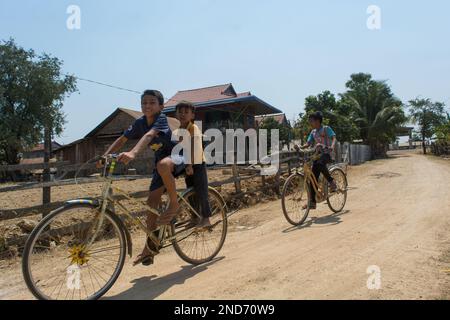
<point>153,130</point>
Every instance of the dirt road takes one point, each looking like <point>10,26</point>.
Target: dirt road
<point>397,218</point>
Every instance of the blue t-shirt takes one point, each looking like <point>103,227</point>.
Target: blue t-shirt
<point>323,135</point>
<point>162,143</point>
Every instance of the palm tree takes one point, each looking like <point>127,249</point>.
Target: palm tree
<point>376,111</point>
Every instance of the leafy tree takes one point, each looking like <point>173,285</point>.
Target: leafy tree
<point>300,128</point>
<point>285,133</point>
<point>32,91</point>
<point>429,116</point>
<point>443,131</point>
<point>336,115</point>
<point>375,110</point>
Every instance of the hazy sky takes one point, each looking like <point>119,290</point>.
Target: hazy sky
<point>282,51</point>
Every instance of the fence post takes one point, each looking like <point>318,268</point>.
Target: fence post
<point>289,166</point>
<point>46,191</point>
<point>277,181</point>
<point>237,182</point>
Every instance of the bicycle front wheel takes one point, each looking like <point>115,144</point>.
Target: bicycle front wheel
<point>336,200</point>
<point>197,246</point>
<point>293,198</point>
<point>74,253</point>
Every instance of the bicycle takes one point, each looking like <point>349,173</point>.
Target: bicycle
<point>78,251</point>
<point>296,202</point>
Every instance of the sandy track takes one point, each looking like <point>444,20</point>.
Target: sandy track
<point>397,218</point>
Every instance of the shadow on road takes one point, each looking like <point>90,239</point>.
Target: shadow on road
<point>151,287</point>
<point>329,220</point>
<point>386,174</point>
<point>395,155</point>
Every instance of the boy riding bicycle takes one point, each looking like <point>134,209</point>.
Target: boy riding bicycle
<point>153,130</point>
<point>324,138</point>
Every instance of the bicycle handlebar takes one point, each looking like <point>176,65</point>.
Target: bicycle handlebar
<point>108,156</point>
<point>314,149</point>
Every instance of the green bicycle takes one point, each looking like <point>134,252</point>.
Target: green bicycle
<point>78,251</point>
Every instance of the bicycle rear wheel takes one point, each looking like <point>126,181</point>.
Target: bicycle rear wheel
<point>197,246</point>
<point>293,198</point>
<point>61,260</point>
<point>336,200</point>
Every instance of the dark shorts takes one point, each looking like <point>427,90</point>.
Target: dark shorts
<point>157,181</point>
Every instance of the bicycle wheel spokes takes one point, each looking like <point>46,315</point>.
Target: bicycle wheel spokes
<point>336,200</point>
<point>60,265</point>
<point>294,198</point>
<point>200,245</point>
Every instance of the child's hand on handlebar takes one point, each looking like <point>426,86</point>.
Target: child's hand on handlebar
<point>126,157</point>
<point>100,163</point>
<point>320,146</point>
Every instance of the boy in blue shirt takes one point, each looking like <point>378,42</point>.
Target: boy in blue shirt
<point>322,137</point>
<point>153,130</point>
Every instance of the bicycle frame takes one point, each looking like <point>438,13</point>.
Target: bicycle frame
<point>165,236</point>
<point>310,178</point>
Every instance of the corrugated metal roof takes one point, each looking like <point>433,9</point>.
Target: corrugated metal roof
<point>219,92</point>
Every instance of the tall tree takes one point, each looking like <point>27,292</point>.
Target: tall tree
<point>376,111</point>
<point>429,116</point>
<point>32,92</point>
<point>285,133</point>
<point>336,115</point>
<point>443,131</point>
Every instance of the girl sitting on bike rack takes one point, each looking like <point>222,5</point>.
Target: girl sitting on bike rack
<point>323,138</point>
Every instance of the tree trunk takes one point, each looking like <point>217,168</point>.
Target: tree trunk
<point>423,146</point>
<point>12,158</point>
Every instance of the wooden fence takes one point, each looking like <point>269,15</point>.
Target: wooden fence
<point>440,148</point>
<point>288,162</point>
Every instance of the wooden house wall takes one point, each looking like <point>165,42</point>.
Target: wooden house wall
<point>90,148</point>
<point>117,125</point>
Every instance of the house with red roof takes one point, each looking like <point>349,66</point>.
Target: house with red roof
<point>220,107</point>
<point>279,118</point>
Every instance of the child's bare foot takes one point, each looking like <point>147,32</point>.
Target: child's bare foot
<point>147,256</point>
<point>171,212</point>
<point>204,223</point>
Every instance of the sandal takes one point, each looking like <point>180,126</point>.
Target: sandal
<point>146,259</point>
<point>311,206</point>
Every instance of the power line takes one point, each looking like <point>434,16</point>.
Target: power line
<point>105,84</point>
<point>239,113</point>
<point>139,92</point>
